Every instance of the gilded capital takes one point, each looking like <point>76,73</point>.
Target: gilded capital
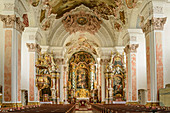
<point>33,47</point>
<point>153,24</point>
<point>158,23</point>
<point>131,48</point>
<point>9,21</point>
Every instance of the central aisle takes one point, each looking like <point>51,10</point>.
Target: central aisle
<point>84,112</point>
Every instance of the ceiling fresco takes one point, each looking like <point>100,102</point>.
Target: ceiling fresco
<point>81,44</point>
<point>92,16</point>
<point>102,7</point>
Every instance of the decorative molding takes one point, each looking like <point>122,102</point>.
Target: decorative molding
<point>153,24</point>
<point>158,23</point>
<point>81,22</point>
<point>147,27</point>
<point>158,10</point>
<point>131,3</point>
<point>8,6</point>
<point>10,21</point>
<point>19,25</point>
<point>45,25</point>
<point>33,47</point>
<point>131,48</point>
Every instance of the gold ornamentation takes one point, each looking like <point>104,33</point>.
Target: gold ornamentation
<point>152,104</point>
<point>33,103</point>
<point>11,105</point>
<point>82,93</point>
<point>132,103</point>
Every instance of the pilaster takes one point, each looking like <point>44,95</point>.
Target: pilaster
<point>153,27</point>
<point>12,32</point>
<point>33,92</point>
<point>131,77</point>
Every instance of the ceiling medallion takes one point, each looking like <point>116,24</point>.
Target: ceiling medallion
<point>81,22</point>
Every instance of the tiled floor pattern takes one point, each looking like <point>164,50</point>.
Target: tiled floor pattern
<point>84,112</point>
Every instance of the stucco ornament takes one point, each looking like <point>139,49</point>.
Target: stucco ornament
<point>81,22</point>
<point>131,3</point>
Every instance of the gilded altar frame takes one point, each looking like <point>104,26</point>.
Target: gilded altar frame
<point>80,60</point>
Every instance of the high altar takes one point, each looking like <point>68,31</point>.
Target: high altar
<point>82,78</point>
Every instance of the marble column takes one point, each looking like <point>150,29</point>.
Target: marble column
<point>33,92</point>
<point>131,78</point>
<point>53,89</point>
<point>153,29</point>
<point>12,33</point>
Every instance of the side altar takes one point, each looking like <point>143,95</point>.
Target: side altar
<point>115,76</point>
<point>47,79</point>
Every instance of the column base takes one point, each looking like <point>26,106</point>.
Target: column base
<point>58,101</point>
<point>132,103</point>
<point>152,104</point>
<point>11,105</point>
<point>33,103</point>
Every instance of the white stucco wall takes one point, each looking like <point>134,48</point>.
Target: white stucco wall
<point>24,62</point>
<point>166,44</point>
<point>1,52</point>
<point>141,62</point>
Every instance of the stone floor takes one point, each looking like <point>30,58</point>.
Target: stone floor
<point>84,112</point>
